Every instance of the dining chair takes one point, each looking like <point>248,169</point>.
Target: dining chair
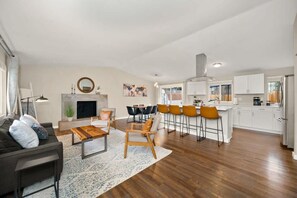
<point>143,134</point>
<point>131,112</point>
<point>154,110</point>
<point>146,112</point>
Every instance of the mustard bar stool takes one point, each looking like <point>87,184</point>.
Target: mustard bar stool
<point>190,112</point>
<point>163,108</point>
<point>175,111</point>
<point>211,113</point>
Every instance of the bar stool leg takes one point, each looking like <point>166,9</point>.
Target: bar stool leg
<point>180,122</point>
<point>218,132</point>
<point>205,127</point>
<point>174,122</point>
<point>182,127</point>
<point>196,129</point>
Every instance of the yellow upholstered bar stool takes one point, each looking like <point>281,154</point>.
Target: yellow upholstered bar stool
<point>190,112</point>
<point>174,111</point>
<point>163,108</point>
<point>211,113</point>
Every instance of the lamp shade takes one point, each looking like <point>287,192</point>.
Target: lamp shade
<point>41,99</point>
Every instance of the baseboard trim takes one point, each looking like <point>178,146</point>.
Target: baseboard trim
<point>294,155</point>
<point>258,130</point>
<point>55,127</point>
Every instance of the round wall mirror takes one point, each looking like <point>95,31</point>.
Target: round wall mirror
<point>85,84</point>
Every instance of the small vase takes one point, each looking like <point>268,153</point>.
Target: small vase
<point>69,119</point>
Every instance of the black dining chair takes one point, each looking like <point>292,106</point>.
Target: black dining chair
<point>131,112</point>
<point>146,112</point>
<point>154,110</point>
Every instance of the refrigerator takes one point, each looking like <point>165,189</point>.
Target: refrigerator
<point>287,102</point>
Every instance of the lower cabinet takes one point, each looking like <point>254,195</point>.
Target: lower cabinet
<point>245,118</point>
<point>258,118</point>
<point>262,119</point>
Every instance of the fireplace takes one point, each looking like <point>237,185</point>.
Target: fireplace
<point>86,109</point>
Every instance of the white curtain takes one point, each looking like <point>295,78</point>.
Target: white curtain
<point>12,85</point>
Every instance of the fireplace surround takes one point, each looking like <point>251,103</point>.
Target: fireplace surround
<point>99,101</point>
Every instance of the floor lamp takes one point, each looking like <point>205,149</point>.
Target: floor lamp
<point>39,99</point>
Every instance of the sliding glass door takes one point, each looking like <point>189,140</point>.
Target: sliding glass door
<point>171,94</point>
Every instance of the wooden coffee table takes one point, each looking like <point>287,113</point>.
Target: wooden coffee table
<point>86,134</point>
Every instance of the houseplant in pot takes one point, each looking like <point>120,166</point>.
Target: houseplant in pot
<point>69,112</point>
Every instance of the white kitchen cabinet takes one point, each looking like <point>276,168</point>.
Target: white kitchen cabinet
<point>196,88</point>
<point>249,84</point>
<point>262,118</point>
<point>256,84</point>
<point>240,84</point>
<point>245,117</point>
<point>267,119</point>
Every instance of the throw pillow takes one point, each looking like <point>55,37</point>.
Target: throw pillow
<point>105,115</point>
<point>147,125</point>
<point>156,122</point>
<point>40,131</point>
<point>7,143</point>
<point>29,120</point>
<point>23,134</point>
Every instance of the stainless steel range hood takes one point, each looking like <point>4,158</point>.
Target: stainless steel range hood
<point>201,70</point>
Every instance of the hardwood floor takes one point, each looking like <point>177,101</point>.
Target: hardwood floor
<point>252,165</point>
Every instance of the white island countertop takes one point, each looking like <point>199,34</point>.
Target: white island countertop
<point>220,108</point>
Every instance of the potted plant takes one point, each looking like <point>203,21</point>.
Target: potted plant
<point>69,112</point>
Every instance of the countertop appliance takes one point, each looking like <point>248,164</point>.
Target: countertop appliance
<point>257,101</point>
<point>287,102</point>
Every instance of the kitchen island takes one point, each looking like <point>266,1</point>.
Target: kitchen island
<point>227,118</point>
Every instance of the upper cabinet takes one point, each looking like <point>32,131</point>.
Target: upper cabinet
<point>196,88</point>
<point>249,84</point>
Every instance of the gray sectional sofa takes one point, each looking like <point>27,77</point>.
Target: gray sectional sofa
<point>11,152</point>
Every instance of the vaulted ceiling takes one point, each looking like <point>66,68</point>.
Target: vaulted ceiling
<point>148,37</point>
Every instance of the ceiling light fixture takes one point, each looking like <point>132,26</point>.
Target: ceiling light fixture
<point>216,65</point>
<point>156,85</point>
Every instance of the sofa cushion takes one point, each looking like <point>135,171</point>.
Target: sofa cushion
<point>50,139</point>
<point>23,134</point>
<point>7,143</point>
<point>40,131</point>
<point>50,131</point>
<point>29,120</point>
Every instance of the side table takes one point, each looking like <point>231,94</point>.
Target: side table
<point>33,161</point>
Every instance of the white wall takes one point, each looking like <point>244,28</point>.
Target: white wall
<point>53,81</point>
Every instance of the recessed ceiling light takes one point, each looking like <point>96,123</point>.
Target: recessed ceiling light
<point>216,65</point>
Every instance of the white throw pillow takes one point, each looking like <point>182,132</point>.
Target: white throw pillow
<point>156,122</point>
<point>100,123</point>
<point>29,120</point>
<point>23,134</point>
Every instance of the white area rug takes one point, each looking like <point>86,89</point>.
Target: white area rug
<point>97,174</point>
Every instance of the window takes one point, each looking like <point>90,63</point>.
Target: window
<point>171,94</point>
<point>274,90</point>
<point>221,91</point>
